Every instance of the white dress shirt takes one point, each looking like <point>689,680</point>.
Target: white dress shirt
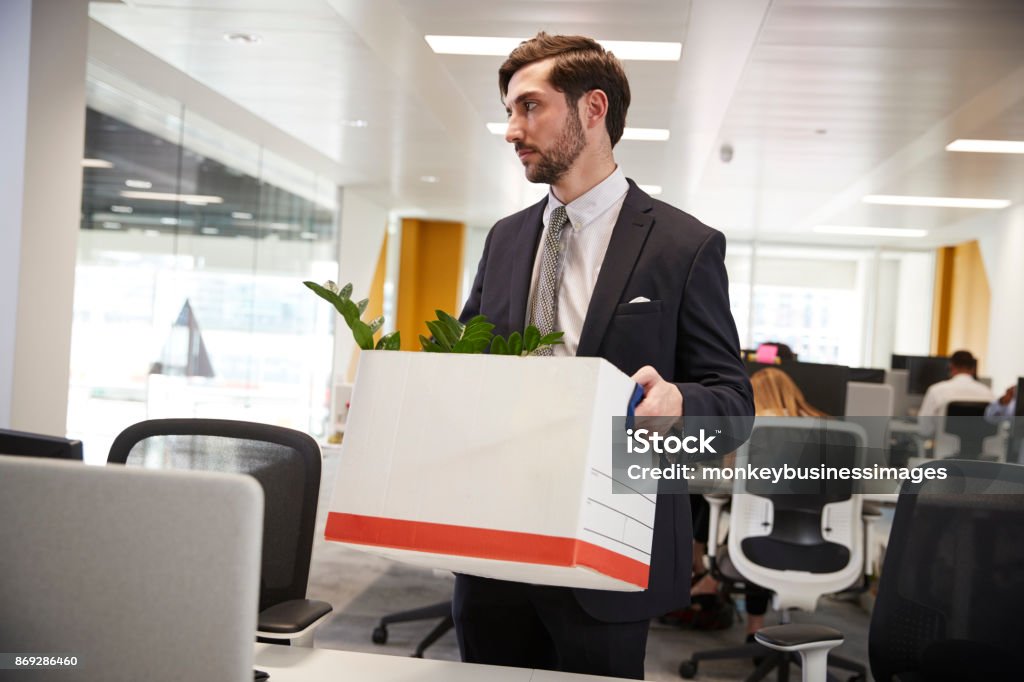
<point>941,394</point>
<point>592,217</point>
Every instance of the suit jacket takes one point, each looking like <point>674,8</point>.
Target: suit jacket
<point>685,331</point>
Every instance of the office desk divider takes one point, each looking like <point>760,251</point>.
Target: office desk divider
<point>493,466</point>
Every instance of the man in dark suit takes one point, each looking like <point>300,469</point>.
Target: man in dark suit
<point>626,278</point>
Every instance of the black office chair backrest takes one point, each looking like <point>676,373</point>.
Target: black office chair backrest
<point>284,461</point>
<point>36,445</point>
<point>965,419</point>
<point>951,595</point>
<point>796,541</point>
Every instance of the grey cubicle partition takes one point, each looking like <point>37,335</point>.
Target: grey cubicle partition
<point>136,574</point>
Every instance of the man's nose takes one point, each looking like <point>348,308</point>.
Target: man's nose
<point>514,132</point>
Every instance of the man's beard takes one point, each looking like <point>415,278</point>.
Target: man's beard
<point>556,162</point>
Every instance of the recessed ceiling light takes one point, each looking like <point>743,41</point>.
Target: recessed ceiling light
<point>501,47</point>
<point>194,199</point>
<point>651,189</point>
<point>243,38</point>
<point>138,184</point>
<point>241,215</point>
<point>96,163</point>
<point>430,179</point>
<point>308,235</point>
<point>169,221</point>
<point>987,146</point>
<point>111,225</point>
<point>121,209</point>
<point>280,226</point>
<point>209,230</point>
<point>941,202</point>
<point>355,123</point>
<point>643,134</point>
<point>871,231</point>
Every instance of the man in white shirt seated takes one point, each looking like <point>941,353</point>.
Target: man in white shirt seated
<point>961,386</point>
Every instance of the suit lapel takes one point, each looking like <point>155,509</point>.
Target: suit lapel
<point>628,237</point>
<point>522,264</point>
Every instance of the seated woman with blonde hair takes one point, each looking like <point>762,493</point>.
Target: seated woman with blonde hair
<point>775,395</point>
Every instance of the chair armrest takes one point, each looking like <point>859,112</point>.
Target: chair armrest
<point>291,619</point>
<point>716,501</point>
<point>799,637</point>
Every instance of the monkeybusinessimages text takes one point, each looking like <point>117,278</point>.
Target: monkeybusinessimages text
<point>643,441</point>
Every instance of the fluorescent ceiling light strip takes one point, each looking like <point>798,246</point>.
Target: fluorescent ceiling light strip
<point>871,231</point>
<point>941,202</point>
<point>651,189</point>
<point>168,196</point>
<point>644,134</point>
<point>96,163</point>
<point>626,50</point>
<point>987,146</point>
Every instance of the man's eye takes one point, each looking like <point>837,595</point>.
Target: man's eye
<point>529,106</point>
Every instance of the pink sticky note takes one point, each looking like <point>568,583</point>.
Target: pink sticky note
<point>766,353</point>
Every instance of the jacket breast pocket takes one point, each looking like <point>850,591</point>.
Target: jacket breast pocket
<point>635,334</point>
<point>639,308</point>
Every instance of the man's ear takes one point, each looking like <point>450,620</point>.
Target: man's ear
<point>595,108</point>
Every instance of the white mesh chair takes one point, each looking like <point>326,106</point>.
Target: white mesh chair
<point>800,540</point>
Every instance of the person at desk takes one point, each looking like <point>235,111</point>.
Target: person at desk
<point>1004,407</point>
<point>775,395</point>
<point>627,278</point>
<point>961,385</point>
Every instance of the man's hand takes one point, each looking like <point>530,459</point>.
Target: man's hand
<point>1005,400</point>
<point>662,405</point>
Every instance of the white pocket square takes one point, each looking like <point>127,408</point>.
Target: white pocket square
<point>641,299</point>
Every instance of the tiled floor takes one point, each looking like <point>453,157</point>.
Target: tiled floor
<point>362,588</point>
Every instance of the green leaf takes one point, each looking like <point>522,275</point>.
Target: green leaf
<point>531,338</point>
<point>442,335</point>
<point>346,292</point>
<point>499,346</point>
<point>515,344</point>
<point>363,335</point>
<point>362,306</point>
<point>392,341</point>
<point>376,324</point>
<point>430,345</point>
<point>551,339</point>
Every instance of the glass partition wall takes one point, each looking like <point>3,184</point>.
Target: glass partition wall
<point>188,295</point>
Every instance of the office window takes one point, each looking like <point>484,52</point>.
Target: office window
<point>188,294</point>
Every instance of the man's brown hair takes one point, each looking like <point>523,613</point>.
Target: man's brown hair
<point>580,65</point>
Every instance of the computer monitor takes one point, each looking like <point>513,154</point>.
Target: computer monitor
<point>867,375</point>
<point>925,371</point>
<point>824,386</point>
<point>898,361</point>
<point>36,445</point>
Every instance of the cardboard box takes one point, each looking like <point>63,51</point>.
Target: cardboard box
<point>492,466</point>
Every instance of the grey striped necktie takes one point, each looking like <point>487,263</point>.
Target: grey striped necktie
<point>545,301</point>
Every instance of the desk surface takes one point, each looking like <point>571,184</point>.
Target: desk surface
<point>299,664</point>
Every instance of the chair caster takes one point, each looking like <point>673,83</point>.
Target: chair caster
<point>688,670</point>
<point>380,634</point>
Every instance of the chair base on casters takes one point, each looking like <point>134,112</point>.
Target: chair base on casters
<point>442,610</point>
<point>772,660</point>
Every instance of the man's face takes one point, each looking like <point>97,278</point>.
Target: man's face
<point>546,132</point>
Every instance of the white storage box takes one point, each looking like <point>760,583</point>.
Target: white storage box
<point>491,465</point>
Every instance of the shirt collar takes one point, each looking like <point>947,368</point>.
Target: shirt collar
<point>593,203</point>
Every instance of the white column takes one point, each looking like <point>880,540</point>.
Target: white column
<point>1005,360</point>
<point>43,45</point>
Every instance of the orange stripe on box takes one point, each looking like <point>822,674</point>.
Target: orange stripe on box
<point>483,543</point>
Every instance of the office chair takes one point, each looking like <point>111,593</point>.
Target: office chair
<point>442,610</point>
<point>286,463</point>
<point>800,540</point>
<point>951,595</point>
<point>965,420</point>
